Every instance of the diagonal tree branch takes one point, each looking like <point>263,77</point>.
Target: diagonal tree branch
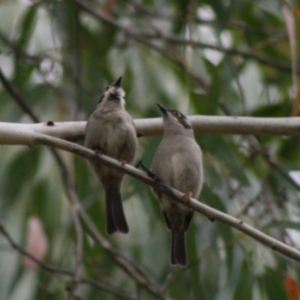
<point>40,139</point>
<point>17,97</point>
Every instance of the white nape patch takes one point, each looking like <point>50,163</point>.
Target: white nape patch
<point>122,95</point>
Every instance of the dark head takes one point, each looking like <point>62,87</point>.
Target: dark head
<point>114,93</point>
<point>175,121</point>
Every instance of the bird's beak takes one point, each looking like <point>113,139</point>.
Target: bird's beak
<point>118,83</point>
<point>162,108</point>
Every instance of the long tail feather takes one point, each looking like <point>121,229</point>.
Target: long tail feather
<point>178,249</point>
<point>115,217</point>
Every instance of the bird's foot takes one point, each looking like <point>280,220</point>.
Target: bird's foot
<point>98,152</point>
<point>186,197</point>
<point>155,177</point>
<point>122,162</point>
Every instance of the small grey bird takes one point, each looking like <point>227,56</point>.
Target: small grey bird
<point>110,130</point>
<point>178,163</point>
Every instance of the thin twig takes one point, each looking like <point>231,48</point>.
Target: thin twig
<point>18,51</point>
<point>134,270</point>
<point>283,172</point>
<point>55,270</point>
<point>18,97</point>
<point>170,53</point>
<point>174,39</point>
<point>264,153</point>
<point>229,51</point>
<point>142,10</point>
<point>12,90</point>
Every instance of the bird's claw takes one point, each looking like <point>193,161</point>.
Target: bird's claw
<point>187,196</point>
<point>98,152</point>
<point>155,177</point>
<point>123,162</point>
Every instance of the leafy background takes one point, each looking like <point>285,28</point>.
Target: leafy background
<point>201,57</point>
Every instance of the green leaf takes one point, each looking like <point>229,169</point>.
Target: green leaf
<point>23,69</point>
<point>272,110</point>
<point>208,104</point>
<point>194,270</point>
<point>284,224</point>
<point>18,175</point>
<point>289,150</point>
<point>47,204</point>
<point>244,289</point>
<point>272,283</point>
<point>219,147</point>
<point>224,230</point>
<point>28,25</point>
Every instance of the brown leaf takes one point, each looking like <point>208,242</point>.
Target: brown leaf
<point>36,242</point>
<point>108,6</point>
<point>292,288</point>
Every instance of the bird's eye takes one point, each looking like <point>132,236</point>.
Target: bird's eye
<point>177,114</point>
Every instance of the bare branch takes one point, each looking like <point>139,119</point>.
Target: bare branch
<point>17,134</point>
<point>229,51</point>
<point>18,97</point>
<point>39,139</point>
<point>55,270</point>
<point>173,39</point>
<point>141,11</point>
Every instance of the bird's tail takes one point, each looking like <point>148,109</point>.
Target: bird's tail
<point>178,249</point>
<point>115,217</point>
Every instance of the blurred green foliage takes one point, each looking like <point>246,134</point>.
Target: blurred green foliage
<point>60,55</point>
